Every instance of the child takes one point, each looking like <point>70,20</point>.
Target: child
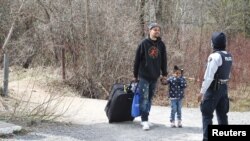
<point>177,84</point>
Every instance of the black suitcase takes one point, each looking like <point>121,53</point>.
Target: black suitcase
<point>119,104</point>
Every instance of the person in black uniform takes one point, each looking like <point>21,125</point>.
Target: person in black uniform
<point>214,91</point>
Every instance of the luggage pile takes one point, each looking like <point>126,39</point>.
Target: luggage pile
<point>119,104</point>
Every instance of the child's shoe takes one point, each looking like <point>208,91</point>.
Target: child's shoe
<point>179,124</point>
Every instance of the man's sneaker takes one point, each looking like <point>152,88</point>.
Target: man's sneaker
<point>179,124</point>
<point>172,124</point>
<point>145,125</point>
<point>150,124</point>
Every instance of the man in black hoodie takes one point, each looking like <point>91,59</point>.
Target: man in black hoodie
<point>214,91</point>
<point>150,63</point>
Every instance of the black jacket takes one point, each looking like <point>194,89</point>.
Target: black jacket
<point>150,59</point>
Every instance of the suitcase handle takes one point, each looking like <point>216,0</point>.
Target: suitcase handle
<point>129,88</point>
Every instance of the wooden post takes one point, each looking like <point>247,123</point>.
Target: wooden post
<point>6,75</point>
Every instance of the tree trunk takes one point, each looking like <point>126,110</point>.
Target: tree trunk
<point>88,37</point>
<point>6,59</point>
<point>149,11</point>
<point>63,62</point>
<point>142,21</point>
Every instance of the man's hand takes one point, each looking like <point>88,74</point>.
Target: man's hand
<point>135,80</point>
<point>200,97</point>
<point>163,80</point>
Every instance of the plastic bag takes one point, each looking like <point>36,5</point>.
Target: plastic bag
<point>135,110</point>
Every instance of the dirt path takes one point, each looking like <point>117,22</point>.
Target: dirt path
<point>86,121</point>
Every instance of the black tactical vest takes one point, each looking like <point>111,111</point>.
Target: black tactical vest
<point>224,70</point>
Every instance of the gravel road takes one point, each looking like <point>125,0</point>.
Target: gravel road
<point>86,121</point>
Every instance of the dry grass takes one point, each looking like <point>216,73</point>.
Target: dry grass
<point>239,97</point>
<point>35,95</point>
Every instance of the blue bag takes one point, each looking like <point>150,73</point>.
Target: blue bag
<point>135,110</point>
